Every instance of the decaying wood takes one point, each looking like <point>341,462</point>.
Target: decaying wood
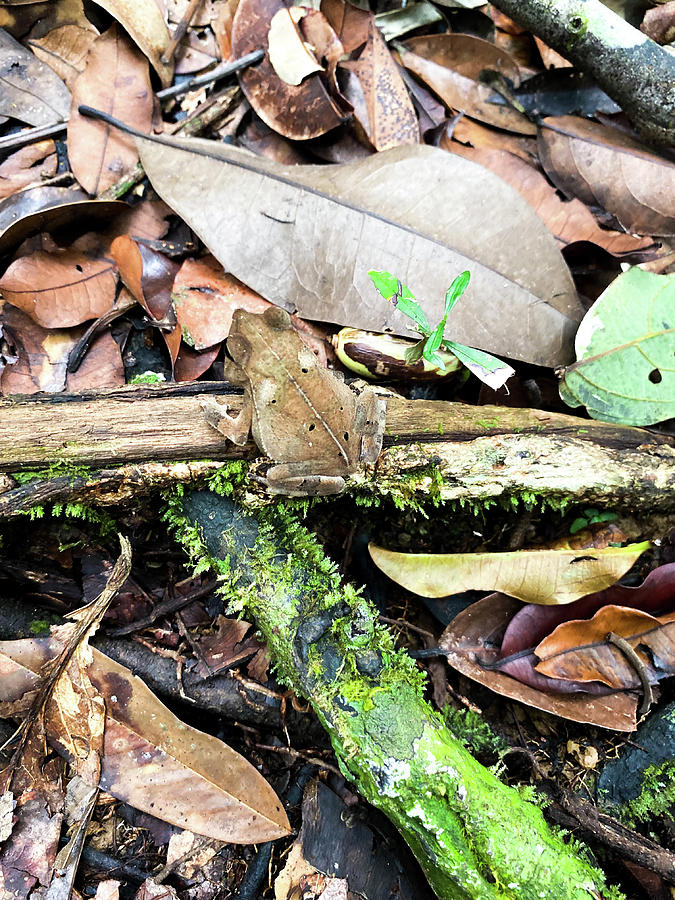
<point>456,451</point>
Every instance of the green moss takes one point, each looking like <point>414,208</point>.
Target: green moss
<point>58,469</point>
<point>473,731</point>
<point>148,378</point>
<point>656,797</point>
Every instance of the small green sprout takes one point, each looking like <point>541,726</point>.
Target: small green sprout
<point>488,368</point>
<point>591,516</point>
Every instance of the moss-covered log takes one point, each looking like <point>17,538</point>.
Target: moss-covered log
<point>475,837</point>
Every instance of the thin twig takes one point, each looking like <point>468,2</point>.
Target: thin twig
<point>220,71</point>
<point>647,693</point>
<point>29,135</point>
<point>178,34</point>
<point>299,754</point>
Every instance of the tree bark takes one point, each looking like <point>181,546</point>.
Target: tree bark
<point>634,70</point>
<point>451,451</point>
<point>476,838</point>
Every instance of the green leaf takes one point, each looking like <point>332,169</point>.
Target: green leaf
<point>625,369</point>
<point>578,525</point>
<point>492,371</point>
<point>414,354</point>
<point>396,292</point>
<point>455,291</point>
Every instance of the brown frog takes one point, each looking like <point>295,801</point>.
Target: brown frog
<point>308,421</point>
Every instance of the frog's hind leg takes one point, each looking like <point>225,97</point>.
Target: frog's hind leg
<point>234,428</point>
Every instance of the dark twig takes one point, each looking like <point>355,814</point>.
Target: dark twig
<point>179,33</point>
<point>624,647</point>
<point>30,135</point>
<point>220,71</point>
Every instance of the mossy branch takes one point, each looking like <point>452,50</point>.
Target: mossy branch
<point>475,837</point>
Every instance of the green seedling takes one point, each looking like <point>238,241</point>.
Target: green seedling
<point>488,368</point>
<point>591,516</point>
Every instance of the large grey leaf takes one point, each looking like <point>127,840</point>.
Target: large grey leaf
<point>305,237</point>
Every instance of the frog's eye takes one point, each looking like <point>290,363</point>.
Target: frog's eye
<point>277,318</point>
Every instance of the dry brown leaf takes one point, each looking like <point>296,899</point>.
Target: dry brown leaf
<point>43,357</point>
<point>466,131</point>
<point>465,54</point>
<point>390,119</point>
<point>65,50</point>
<point>59,290</point>
<point>464,94</point>
<point>144,21</point>
<point>189,364</point>
<point>567,220</point>
<point>299,112</point>
<point>116,77</point>
<point>546,577</point>
<point>579,650</point>
<point>29,90</point>
<point>155,762</point>
<point>27,166</point>
<point>471,643</point>
<point>604,167</point>
<point>290,56</point>
<point>659,23</point>
<point>417,210</point>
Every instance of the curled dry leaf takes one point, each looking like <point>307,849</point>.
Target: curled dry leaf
<point>58,290</point>
<point>155,762</point>
<point>465,54</point>
<point>416,210</point>
<point>149,276</point>
<point>461,92</point>
<point>26,166</point>
<point>189,364</point>
<point>29,90</point>
<point>548,577</point>
<point>291,58</point>
<point>466,131</point>
<point>471,643</point>
<point>144,21</point>
<point>567,220</point>
<point>115,77</point>
<point>580,650</point>
<point>578,155</point>
<point>299,112</point>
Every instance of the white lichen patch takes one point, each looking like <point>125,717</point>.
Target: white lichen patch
<point>395,770</point>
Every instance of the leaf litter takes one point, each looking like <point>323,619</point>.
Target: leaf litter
<point>274,234</point>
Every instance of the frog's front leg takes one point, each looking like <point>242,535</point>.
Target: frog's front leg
<point>235,428</point>
<point>369,419</point>
<point>302,479</point>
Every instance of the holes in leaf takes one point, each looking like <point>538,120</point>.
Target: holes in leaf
<point>79,268</point>
<point>655,376</point>
<point>305,371</point>
<point>346,435</point>
<point>311,427</point>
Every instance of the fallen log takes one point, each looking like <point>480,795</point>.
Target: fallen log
<point>104,447</point>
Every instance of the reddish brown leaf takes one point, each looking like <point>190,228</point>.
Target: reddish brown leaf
<point>299,111</point>
<point>143,21</point>
<point>659,23</point>
<point>579,650</point>
<point>604,167</point>
<point>466,131</point>
<point>27,166</point>
<point>465,94</point>
<point>189,364</point>
<point>471,643</point>
<point>390,119</point>
<point>149,276</point>
<point>58,290</point>
<point>568,220</point>
<point>261,140</point>
<point>157,763</point>
<point>229,645</point>
<point>116,78</point>
<point>101,367</point>
<point>204,299</point>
